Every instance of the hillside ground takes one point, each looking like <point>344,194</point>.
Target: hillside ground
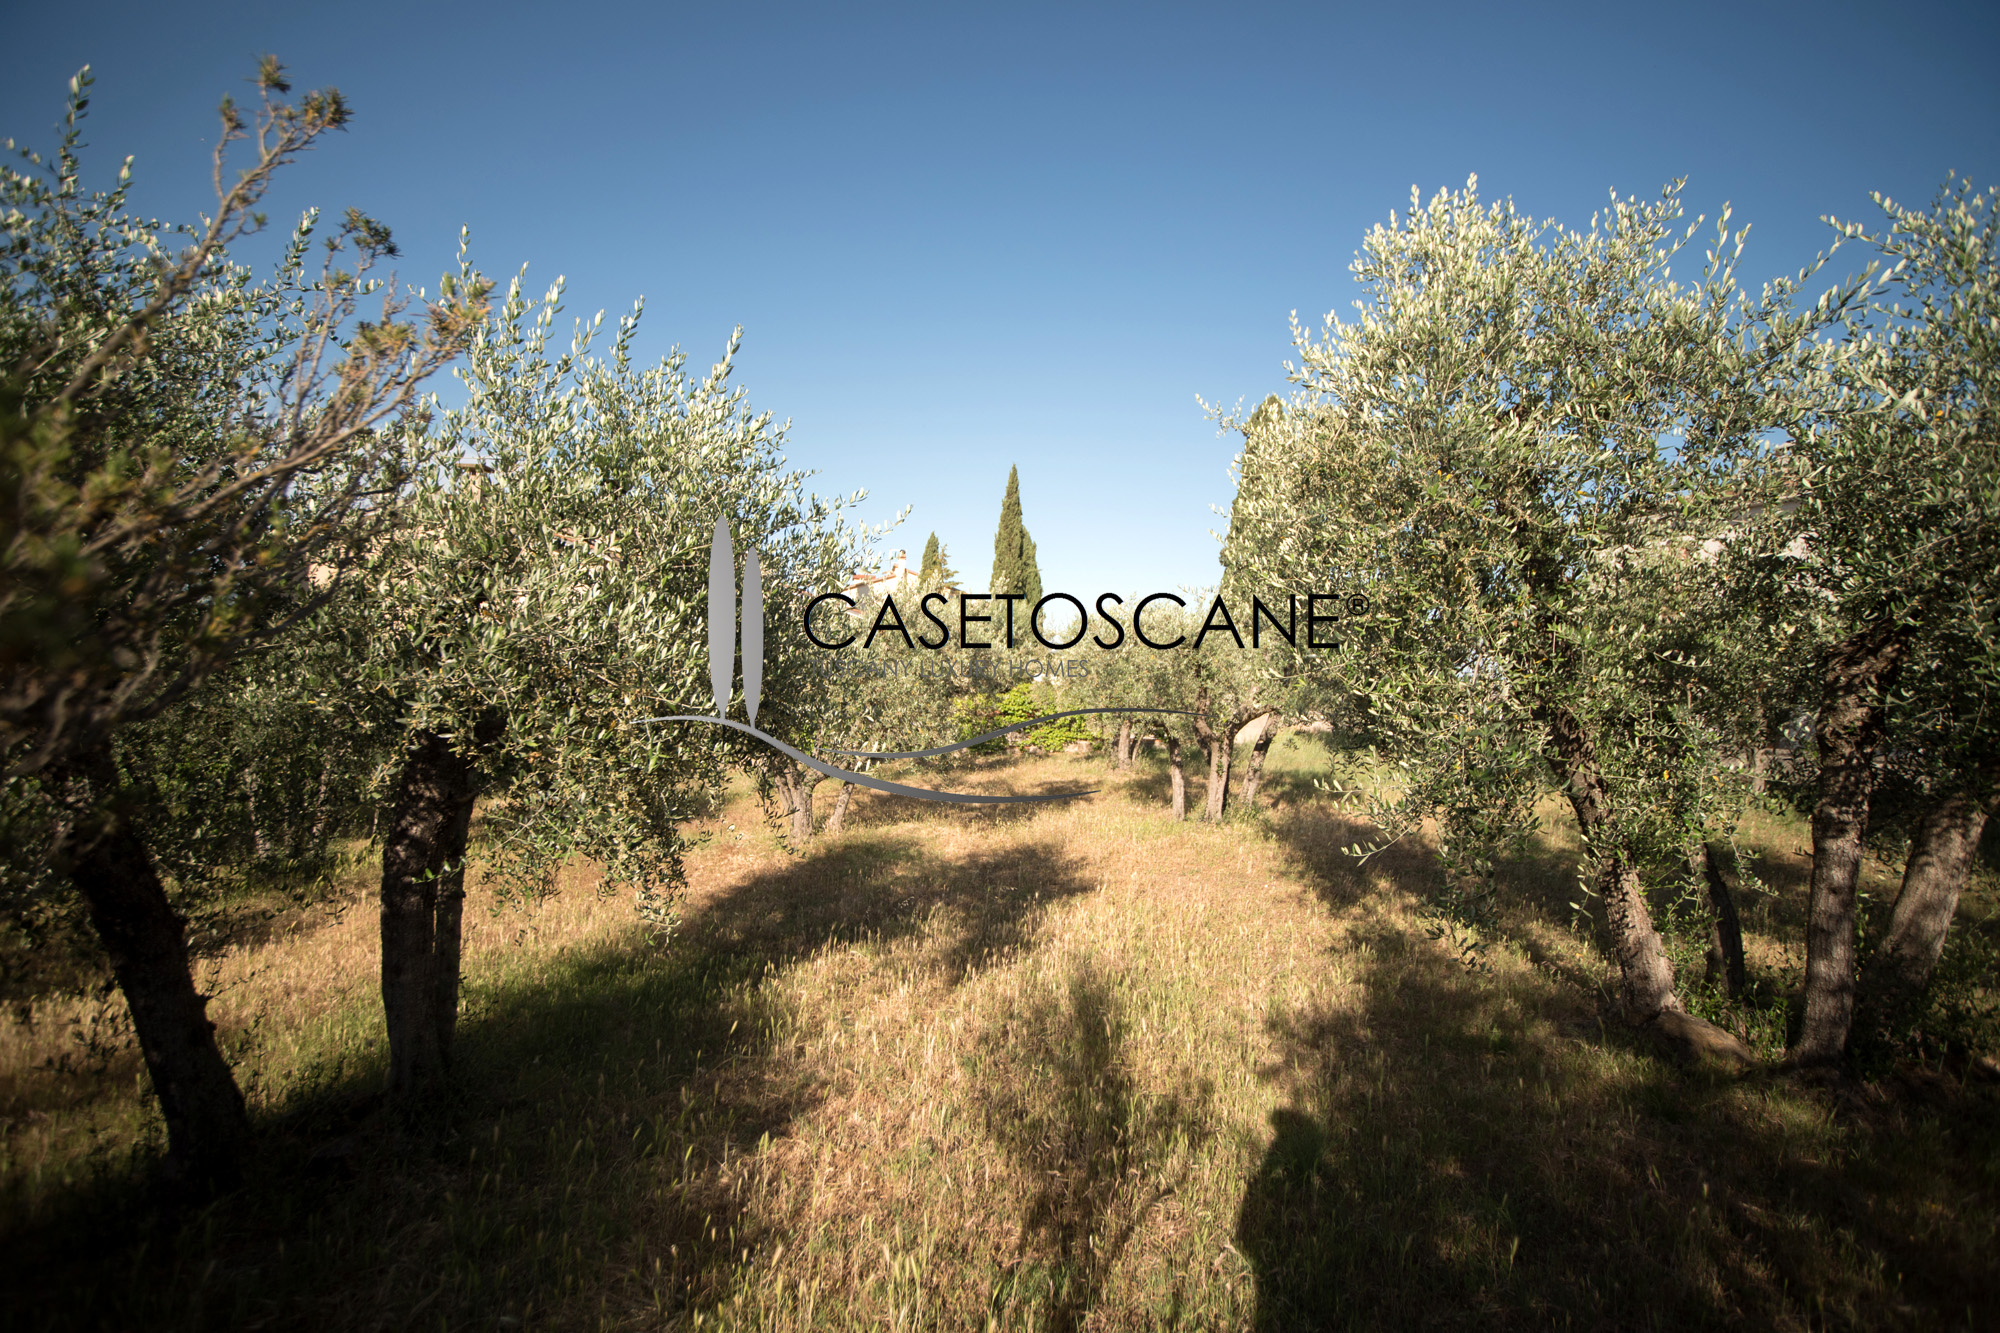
<point>1062,1066</point>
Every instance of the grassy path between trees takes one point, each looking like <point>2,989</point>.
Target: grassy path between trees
<point>1056,1067</point>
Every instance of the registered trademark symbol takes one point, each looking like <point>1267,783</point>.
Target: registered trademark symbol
<point>1357,605</point>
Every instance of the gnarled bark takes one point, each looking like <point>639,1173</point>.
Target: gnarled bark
<point>1941,856</point>
<point>1850,731</point>
<point>1253,773</point>
<point>1121,754</point>
<point>1716,865</point>
<point>837,819</point>
<point>1646,978</point>
<point>423,897</point>
<point>1177,776</point>
<point>147,943</point>
<point>1220,756</point>
<point>797,793</point>
<point>1218,744</point>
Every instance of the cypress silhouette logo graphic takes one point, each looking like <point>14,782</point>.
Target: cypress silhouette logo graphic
<point>722,646</point>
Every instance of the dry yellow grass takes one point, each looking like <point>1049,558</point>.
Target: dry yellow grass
<point>1070,1066</point>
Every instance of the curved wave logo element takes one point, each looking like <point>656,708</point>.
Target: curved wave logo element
<point>722,644</point>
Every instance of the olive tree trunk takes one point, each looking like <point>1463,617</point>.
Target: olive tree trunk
<point>423,898</point>
<point>1253,772</point>
<point>1941,856</point>
<point>1219,749</point>
<point>1850,731</point>
<point>147,943</point>
<point>1220,755</point>
<point>1715,864</point>
<point>836,820</point>
<point>1218,744</point>
<point>1177,776</point>
<point>796,790</point>
<point>1645,976</point>
<point>1121,753</point>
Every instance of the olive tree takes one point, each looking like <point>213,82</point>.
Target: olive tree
<point>898,682</point>
<point>179,446</point>
<point>179,442</point>
<point>877,691</point>
<point>1226,684</point>
<point>1884,571</point>
<point>544,587</point>
<point>1503,460</point>
<point>1115,679</point>
<point>1152,669</point>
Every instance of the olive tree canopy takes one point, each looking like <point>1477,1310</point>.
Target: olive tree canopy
<point>545,587</point>
<point>1508,457</point>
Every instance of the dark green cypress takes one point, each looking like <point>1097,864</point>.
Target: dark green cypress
<point>927,573</point>
<point>1014,568</point>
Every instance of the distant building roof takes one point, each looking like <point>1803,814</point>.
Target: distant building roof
<point>897,578</point>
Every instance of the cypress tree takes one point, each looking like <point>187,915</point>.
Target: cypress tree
<point>1014,568</point>
<point>936,571</point>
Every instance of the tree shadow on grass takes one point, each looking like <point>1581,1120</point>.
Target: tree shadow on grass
<point>1286,781</point>
<point>996,775</point>
<point>1149,783</point>
<point>879,887</point>
<point>1063,1104</point>
<point>1145,780</point>
<point>587,1144</point>
<point>1283,787</point>
<point>599,1143</point>
<point>1448,1158</point>
<point>1538,903</point>
<point>1318,835</point>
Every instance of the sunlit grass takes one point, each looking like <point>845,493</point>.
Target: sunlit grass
<point>1035,1067</point>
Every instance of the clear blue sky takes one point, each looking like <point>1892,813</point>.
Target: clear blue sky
<point>963,237</point>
